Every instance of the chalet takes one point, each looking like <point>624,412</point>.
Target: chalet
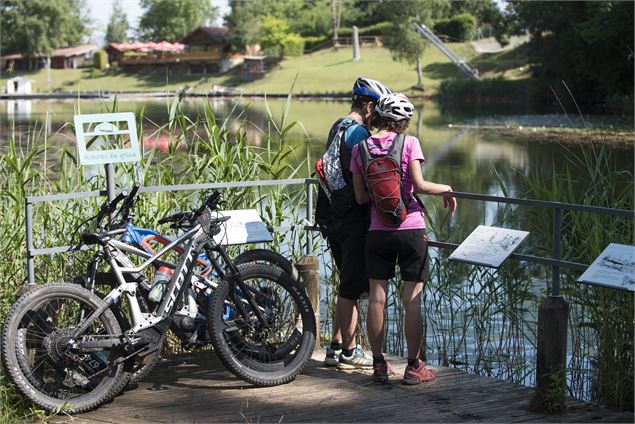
<point>64,58</point>
<point>203,51</point>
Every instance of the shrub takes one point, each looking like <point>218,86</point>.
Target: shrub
<point>293,45</point>
<point>459,28</point>
<point>311,41</point>
<point>100,59</point>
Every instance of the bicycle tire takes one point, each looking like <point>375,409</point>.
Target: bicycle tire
<point>35,334</point>
<point>252,353</point>
<point>269,257</point>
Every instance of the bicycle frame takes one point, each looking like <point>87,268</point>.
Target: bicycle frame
<point>197,240</point>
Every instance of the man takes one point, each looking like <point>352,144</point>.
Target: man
<point>345,223</point>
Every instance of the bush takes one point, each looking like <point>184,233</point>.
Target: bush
<point>459,28</point>
<point>100,59</point>
<point>293,45</point>
<point>310,42</point>
<point>489,90</point>
<point>375,29</point>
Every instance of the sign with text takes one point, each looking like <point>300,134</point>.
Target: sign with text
<point>615,268</point>
<point>489,246</point>
<point>245,226</point>
<point>107,138</point>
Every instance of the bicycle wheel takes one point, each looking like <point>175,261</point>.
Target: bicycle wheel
<point>262,354</point>
<point>269,257</point>
<point>45,366</point>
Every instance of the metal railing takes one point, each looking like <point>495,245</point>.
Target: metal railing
<point>555,261</point>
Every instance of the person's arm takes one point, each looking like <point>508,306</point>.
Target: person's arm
<point>422,186</point>
<point>359,186</point>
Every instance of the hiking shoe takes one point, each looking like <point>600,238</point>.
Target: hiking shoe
<point>357,360</point>
<point>419,374</point>
<point>332,357</point>
<point>381,372</point>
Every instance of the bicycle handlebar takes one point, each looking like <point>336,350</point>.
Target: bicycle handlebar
<point>183,219</point>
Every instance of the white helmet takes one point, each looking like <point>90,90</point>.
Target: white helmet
<point>395,106</point>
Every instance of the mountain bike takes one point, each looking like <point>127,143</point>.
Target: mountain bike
<point>63,346</point>
<point>193,332</point>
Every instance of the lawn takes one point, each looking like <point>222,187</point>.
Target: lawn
<point>323,72</point>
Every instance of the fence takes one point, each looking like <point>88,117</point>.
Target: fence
<point>552,337</point>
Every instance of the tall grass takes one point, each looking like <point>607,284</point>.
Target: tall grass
<point>600,319</point>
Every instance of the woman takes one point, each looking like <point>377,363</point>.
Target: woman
<point>405,244</point>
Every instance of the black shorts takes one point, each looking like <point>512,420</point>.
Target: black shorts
<point>408,248</point>
<point>347,249</point>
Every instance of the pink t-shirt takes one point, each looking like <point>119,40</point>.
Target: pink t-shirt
<point>411,151</point>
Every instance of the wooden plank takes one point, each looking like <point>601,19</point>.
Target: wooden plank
<point>196,388</point>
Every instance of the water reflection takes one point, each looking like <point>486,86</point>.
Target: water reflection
<point>458,155</point>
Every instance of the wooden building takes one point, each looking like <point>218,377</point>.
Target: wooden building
<point>64,58</point>
<point>204,51</point>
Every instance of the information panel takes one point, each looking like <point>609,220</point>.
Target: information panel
<point>489,246</point>
<point>615,267</point>
<point>106,138</point>
<point>245,226</point>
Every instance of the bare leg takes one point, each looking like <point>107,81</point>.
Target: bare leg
<point>375,319</point>
<point>346,311</point>
<point>411,299</point>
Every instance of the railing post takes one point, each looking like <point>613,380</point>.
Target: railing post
<point>309,269</point>
<point>551,357</point>
<point>309,217</point>
<point>28,221</point>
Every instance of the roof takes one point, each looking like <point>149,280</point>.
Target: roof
<point>216,35</point>
<point>74,50</point>
<point>63,52</point>
<point>138,46</point>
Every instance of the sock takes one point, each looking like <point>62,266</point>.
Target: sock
<point>378,359</point>
<point>336,346</point>
<point>348,352</point>
<point>413,362</point>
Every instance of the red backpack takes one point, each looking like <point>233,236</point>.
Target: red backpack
<point>383,174</point>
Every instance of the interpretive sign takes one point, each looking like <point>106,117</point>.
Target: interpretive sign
<point>245,226</point>
<point>106,138</point>
<point>615,267</point>
<point>489,246</point>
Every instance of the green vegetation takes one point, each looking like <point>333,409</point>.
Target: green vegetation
<point>588,45</point>
<point>461,27</point>
<point>100,60</point>
<point>41,26</point>
<point>118,26</point>
<point>172,20</point>
<point>324,72</point>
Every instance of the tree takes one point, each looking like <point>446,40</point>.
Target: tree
<point>401,39</point>
<point>117,30</point>
<point>40,26</point>
<point>172,20</point>
<point>246,17</point>
<point>272,33</point>
<point>588,45</point>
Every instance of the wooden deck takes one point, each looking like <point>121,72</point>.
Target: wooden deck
<point>197,388</point>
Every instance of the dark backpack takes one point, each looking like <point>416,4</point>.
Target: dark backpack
<point>383,175</point>
<point>335,195</point>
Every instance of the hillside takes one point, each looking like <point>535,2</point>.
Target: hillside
<point>323,72</point>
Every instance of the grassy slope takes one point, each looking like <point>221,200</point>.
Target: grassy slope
<point>323,72</point>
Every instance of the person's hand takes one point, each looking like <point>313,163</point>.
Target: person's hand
<point>448,199</point>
